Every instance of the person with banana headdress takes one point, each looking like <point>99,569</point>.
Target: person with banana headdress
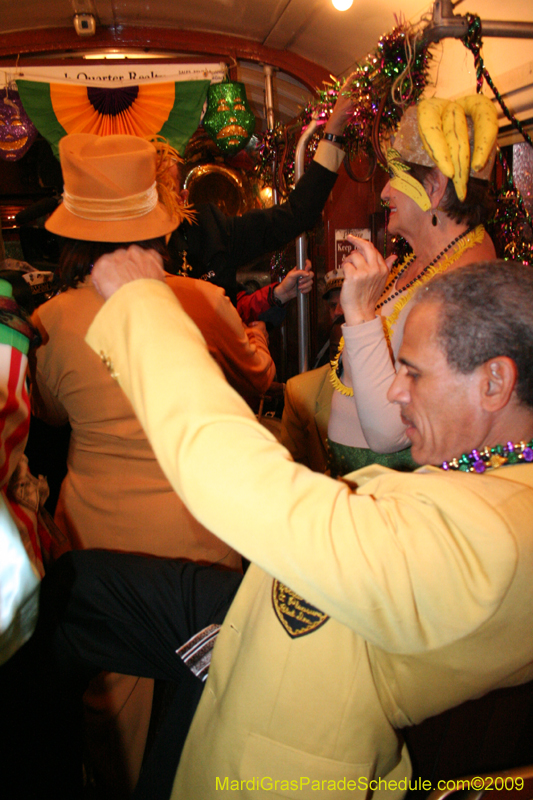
<point>440,162</point>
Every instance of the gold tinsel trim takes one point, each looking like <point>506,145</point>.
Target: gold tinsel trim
<point>338,385</point>
<point>469,241</point>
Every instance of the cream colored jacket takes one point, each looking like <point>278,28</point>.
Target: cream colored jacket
<point>417,586</point>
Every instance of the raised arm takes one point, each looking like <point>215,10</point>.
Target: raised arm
<point>367,349</point>
<point>241,351</point>
<point>217,244</point>
<point>367,558</point>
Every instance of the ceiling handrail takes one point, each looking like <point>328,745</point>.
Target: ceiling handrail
<point>445,24</point>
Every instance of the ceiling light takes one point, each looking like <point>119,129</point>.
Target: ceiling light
<point>117,55</point>
<point>342,5</point>
<point>122,54</point>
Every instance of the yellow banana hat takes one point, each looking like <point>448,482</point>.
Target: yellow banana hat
<point>455,131</point>
<point>458,137</point>
<point>485,119</point>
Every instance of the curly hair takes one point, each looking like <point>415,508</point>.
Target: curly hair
<point>485,311</point>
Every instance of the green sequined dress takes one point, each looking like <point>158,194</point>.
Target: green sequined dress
<point>343,458</point>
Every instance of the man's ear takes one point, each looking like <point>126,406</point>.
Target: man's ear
<point>499,381</point>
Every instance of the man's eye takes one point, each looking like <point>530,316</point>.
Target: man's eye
<point>413,375</point>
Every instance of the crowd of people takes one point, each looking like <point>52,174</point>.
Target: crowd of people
<point>291,621</point>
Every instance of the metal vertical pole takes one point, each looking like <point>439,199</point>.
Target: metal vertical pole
<point>268,72</point>
<point>301,251</point>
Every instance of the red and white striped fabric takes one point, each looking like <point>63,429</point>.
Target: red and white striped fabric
<point>22,492</point>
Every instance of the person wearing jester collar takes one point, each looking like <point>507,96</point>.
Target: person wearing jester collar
<point>440,162</point>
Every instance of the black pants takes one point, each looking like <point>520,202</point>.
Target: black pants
<point>104,611</point>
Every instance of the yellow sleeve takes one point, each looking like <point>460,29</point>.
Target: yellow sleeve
<point>368,558</point>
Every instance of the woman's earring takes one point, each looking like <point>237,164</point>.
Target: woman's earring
<point>434,220</point>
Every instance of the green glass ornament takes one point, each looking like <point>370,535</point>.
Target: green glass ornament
<point>228,120</point>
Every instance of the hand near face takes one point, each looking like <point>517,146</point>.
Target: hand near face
<point>114,270</point>
<point>365,276</point>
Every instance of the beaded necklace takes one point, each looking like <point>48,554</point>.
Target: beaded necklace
<point>396,275</point>
<point>492,457</point>
<point>464,241</point>
<point>469,239</point>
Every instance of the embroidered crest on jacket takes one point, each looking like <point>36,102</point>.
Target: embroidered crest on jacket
<point>297,616</point>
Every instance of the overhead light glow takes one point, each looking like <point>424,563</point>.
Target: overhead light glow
<point>116,54</point>
<point>342,5</point>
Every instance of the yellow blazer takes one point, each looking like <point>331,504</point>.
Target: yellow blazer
<point>409,592</point>
<point>304,423</point>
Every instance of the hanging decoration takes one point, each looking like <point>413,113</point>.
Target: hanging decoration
<point>17,131</point>
<point>473,42</point>
<point>511,227</point>
<point>170,109</point>
<point>388,80</point>
<point>228,120</point>
<point>276,154</point>
<point>275,158</point>
<point>278,265</point>
<point>391,77</point>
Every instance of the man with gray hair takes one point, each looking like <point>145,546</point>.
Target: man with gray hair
<point>371,603</point>
<point>484,313</point>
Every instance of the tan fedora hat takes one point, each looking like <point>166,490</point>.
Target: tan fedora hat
<point>110,192</point>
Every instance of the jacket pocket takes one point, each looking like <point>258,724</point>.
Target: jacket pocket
<point>271,769</point>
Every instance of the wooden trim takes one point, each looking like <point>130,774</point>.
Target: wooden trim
<point>55,41</point>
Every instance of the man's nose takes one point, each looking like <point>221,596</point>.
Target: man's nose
<point>398,391</point>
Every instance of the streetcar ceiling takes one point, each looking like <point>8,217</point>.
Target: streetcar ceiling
<point>308,30</point>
